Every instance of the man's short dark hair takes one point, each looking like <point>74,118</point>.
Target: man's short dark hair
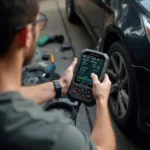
<point>12,14</point>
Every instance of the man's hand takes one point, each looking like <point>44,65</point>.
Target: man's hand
<point>101,90</point>
<point>66,79</point>
<point>102,135</point>
<point>45,92</point>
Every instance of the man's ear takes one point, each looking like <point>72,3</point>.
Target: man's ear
<point>26,37</point>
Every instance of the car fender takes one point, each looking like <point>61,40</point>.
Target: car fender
<point>114,31</point>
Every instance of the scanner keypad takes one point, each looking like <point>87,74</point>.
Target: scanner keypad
<point>82,94</point>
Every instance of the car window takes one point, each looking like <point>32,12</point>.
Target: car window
<point>145,4</point>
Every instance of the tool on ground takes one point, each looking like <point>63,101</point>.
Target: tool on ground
<point>52,67</point>
<point>49,39</point>
<point>34,76</point>
<point>65,47</point>
<point>45,57</point>
<point>37,54</point>
<point>43,64</point>
<point>52,58</point>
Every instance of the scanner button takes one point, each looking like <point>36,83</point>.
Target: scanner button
<point>90,100</point>
<point>89,96</point>
<point>83,95</point>
<point>78,94</point>
<point>73,92</point>
<point>82,89</point>
<point>89,91</point>
<point>77,88</point>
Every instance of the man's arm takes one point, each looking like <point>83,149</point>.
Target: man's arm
<point>103,135</point>
<point>45,92</point>
<point>39,93</point>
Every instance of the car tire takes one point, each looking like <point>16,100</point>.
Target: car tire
<point>123,99</point>
<point>70,11</point>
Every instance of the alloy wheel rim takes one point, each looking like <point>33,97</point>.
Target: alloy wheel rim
<point>119,94</point>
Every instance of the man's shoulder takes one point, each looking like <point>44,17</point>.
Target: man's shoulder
<point>25,122</point>
<point>9,96</point>
<point>29,126</point>
<point>26,107</point>
<point>73,139</point>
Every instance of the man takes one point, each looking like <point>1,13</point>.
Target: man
<point>23,123</point>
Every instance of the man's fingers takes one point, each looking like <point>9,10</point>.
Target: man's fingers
<point>73,65</point>
<point>106,79</point>
<point>94,77</point>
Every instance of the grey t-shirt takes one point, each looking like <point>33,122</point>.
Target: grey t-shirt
<point>25,126</point>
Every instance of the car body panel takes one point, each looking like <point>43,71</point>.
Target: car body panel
<point>84,19</point>
<point>94,18</point>
<point>112,15</point>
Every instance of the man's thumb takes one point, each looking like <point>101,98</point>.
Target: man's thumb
<point>74,63</point>
<point>106,79</point>
<point>94,77</point>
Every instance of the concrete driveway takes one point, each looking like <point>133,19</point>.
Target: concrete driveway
<point>78,37</point>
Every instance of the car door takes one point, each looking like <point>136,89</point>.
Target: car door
<point>92,11</point>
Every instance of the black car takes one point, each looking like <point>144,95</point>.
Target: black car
<point>123,29</point>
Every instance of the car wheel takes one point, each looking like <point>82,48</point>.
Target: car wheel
<point>122,101</point>
<point>70,11</point>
